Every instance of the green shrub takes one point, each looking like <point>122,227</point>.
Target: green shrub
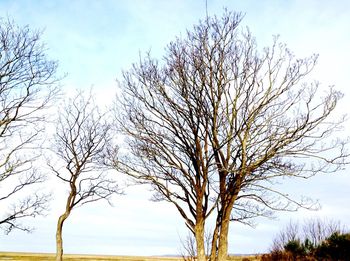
<point>308,247</point>
<point>294,247</point>
<point>335,247</point>
<point>317,241</point>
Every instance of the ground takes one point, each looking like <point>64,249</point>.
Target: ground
<point>49,257</point>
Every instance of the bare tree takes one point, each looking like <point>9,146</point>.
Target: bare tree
<point>27,86</point>
<point>82,145</point>
<point>188,250</point>
<point>216,123</point>
<point>291,232</point>
<point>317,230</point>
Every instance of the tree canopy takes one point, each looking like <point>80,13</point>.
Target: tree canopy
<point>216,121</point>
<point>28,86</point>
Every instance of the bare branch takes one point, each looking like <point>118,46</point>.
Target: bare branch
<point>27,88</point>
<point>82,140</point>
<point>216,122</point>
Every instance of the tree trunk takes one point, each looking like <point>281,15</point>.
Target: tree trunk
<point>59,241</point>
<point>224,228</point>
<point>214,244</point>
<point>62,218</point>
<point>223,240</point>
<point>199,235</point>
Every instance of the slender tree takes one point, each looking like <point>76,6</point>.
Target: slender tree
<point>216,122</point>
<point>82,145</point>
<point>27,87</point>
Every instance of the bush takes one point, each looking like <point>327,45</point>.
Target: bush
<point>283,256</point>
<point>336,247</point>
<point>308,247</point>
<point>319,241</point>
<point>294,248</point>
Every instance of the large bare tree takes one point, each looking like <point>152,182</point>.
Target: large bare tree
<point>216,122</point>
<point>27,86</point>
<point>82,145</point>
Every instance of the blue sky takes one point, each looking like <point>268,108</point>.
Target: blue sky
<point>94,40</point>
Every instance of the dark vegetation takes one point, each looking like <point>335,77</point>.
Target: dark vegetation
<point>317,240</point>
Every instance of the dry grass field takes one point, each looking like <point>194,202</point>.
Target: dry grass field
<point>49,257</point>
<point>44,257</point>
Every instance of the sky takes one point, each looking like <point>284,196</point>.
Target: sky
<point>93,41</point>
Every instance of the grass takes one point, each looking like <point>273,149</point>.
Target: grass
<point>49,257</point>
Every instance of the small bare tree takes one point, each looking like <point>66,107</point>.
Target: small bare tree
<point>217,122</point>
<point>189,249</point>
<point>314,230</point>
<point>82,144</point>
<point>317,230</point>
<point>27,86</point>
<point>290,232</point>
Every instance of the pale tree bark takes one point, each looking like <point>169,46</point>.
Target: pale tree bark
<point>59,240</point>
<point>217,122</point>
<point>222,250</point>
<point>82,147</point>
<point>28,86</point>
<point>62,219</point>
<point>200,244</point>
